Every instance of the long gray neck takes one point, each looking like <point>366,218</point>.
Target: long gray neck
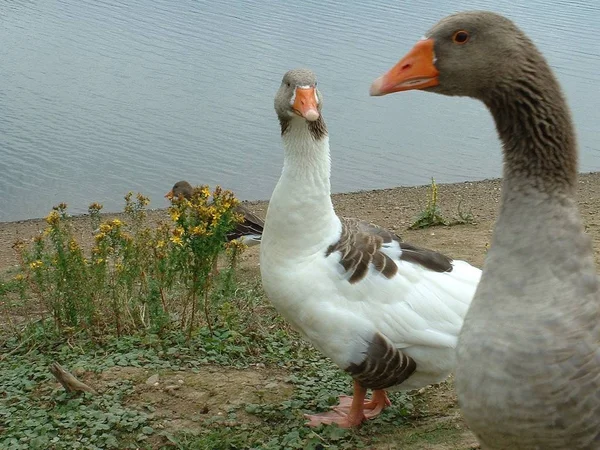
<point>539,232</point>
<point>534,124</point>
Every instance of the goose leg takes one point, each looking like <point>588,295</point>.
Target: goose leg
<point>378,403</point>
<point>373,407</point>
<point>344,417</point>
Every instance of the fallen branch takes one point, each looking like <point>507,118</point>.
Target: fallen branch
<point>68,380</point>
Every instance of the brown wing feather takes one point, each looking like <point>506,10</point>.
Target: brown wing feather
<point>252,224</point>
<point>384,365</point>
<point>360,246</point>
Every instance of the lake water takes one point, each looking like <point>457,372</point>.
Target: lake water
<point>99,97</point>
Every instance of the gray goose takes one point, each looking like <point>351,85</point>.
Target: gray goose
<point>249,231</point>
<point>528,356</point>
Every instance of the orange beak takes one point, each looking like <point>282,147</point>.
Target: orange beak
<point>415,71</point>
<point>169,195</point>
<point>305,103</point>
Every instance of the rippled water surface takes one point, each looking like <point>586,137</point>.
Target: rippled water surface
<point>101,97</point>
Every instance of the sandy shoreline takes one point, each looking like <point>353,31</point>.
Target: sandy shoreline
<point>393,208</point>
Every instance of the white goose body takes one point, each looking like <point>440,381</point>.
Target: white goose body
<point>417,310</point>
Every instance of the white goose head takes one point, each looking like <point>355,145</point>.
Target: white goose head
<point>299,102</point>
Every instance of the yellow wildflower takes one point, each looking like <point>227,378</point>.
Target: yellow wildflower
<point>53,218</point>
<point>177,233</point>
<point>235,245</point>
<point>238,218</point>
<point>19,244</point>
<point>142,200</point>
<point>204,192</point>
<point>19,277</point>
<point>119,267</point>
<point>160,244</point>
<point>99,261</point>
<point>201,210</point>
<point>100,236</point>
<point>116,223</point>
<point>198,230</point>
<point>95,207</point>
<point>36,264</point>
<point>73,245</point>
<point>61,207</point>
<point>211,210</point>
<point>105,228</point>
<point>175,214</point>
<point>215,219</point>
<point>226,204</point>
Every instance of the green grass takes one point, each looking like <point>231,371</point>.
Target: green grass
<point>36,413</point>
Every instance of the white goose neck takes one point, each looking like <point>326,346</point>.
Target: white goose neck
<point>301,217</point>
<point>306,159</point>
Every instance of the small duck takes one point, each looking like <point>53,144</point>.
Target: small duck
<point>249,232</point>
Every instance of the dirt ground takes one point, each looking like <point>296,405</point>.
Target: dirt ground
<point>181,399</point>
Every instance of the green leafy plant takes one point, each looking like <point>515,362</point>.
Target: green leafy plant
<point>431,216</point>
<point>464,217</point>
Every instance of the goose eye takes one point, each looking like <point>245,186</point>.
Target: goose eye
<point>460,37</point>
<point>288,84</point>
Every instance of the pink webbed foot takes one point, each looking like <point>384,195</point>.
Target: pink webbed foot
<point>352,411</point>
<point>342,419</point>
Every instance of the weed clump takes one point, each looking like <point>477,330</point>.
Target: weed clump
<point>432,215</point>
<point>136,275</point>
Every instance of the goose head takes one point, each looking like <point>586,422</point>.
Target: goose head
<point>298,97</point>
<point>180,189</point>
<point>465,54</point>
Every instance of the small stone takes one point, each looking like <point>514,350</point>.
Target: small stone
<point>260,366</point>
<point>180,381</point>
<point>153,380</point>
<point>271,385</point>
<point>78,371</point>
<point>172,387</point>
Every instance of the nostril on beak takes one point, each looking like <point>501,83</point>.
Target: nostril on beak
<point>406,66</point>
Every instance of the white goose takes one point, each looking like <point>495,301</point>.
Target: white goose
<point>386,312</point>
